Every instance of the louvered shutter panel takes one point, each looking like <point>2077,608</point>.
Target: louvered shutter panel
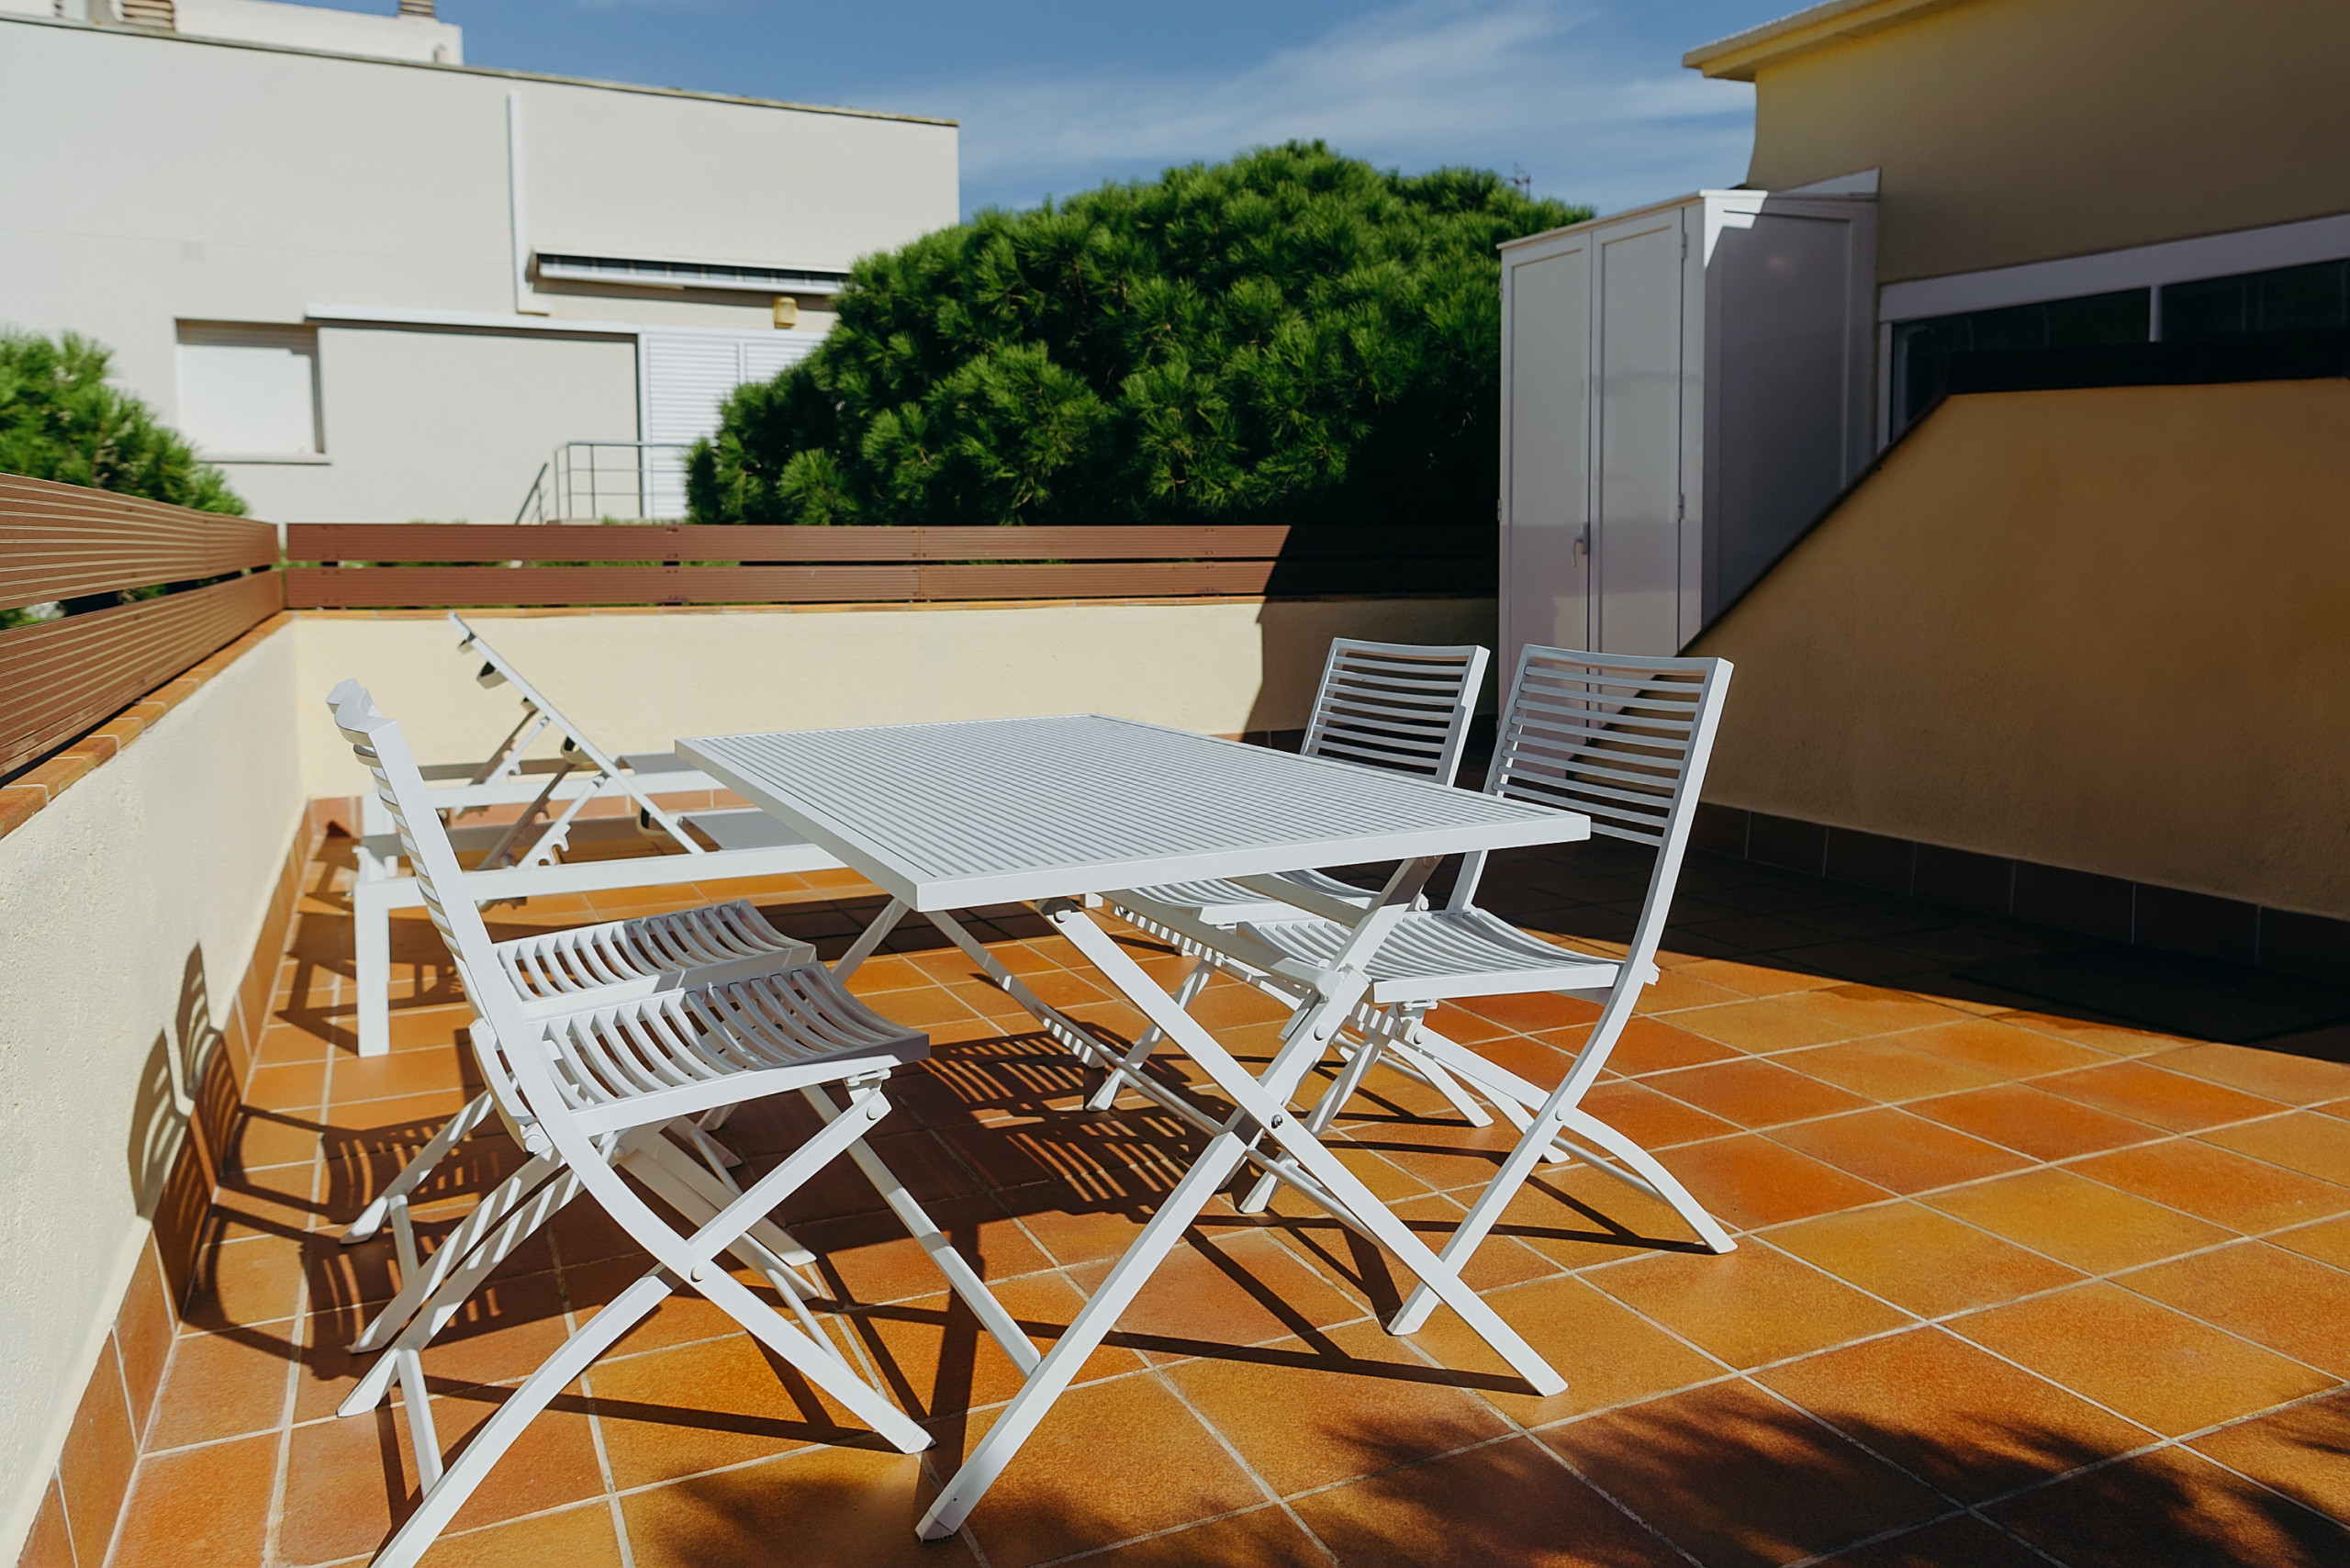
<point>765,358</point>
<point>687,376</point>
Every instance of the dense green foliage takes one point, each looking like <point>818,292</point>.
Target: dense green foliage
<point>1293,337</point>
<point>59,419</point>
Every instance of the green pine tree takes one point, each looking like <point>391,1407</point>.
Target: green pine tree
<point>1293,337</point>
<point>59,419</point>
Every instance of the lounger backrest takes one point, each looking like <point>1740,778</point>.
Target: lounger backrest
<point>576,738</point>
<point>1396,705</point>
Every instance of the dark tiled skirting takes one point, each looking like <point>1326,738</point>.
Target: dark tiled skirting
<point>2108,908</point>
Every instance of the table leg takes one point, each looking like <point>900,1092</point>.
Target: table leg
<point>1058,1024</point>
<point>872,936</point>
<point>1261,1108</point>
<point>1266,1104</point>
<point>1099,1316</point>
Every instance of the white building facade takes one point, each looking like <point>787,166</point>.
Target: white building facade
<point>377,284</point>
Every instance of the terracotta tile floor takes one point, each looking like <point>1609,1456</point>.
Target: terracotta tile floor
<point>2010,1288</point>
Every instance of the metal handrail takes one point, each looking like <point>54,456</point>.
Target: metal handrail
<point>584,481</point>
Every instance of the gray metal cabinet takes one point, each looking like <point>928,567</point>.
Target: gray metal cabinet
<point>1684,388</point>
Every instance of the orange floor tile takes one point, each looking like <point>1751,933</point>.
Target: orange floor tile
<point>2012,1287</point>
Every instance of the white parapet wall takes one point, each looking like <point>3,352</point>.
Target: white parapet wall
<point>639,681</point>
<point>140,889</point>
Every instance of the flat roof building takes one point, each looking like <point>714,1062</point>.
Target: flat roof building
<point>378,285</point>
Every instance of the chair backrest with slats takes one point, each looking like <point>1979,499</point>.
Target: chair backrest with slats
<point>1624,740</point>
<point>1396,705</point>
<point>380,746</point>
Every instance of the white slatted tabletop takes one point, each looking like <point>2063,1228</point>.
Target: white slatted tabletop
<point>995,810</point>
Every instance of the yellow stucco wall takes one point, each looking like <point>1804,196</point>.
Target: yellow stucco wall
<point>2104,628</point>
<point>637,681</point>
<point>2021,131</point>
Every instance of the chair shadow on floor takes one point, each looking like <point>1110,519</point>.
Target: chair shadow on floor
<point>1725,1470</point>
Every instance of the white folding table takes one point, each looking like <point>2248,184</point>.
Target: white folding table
<point>953,816</point>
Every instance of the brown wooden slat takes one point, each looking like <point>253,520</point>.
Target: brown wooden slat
<point>493,542</point>
<point>1121,579</point>
<point>378,588</point>
<point>62,677</point>
<point>384,588</point>
<point>58,541</point>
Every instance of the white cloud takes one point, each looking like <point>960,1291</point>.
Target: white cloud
<point>1540,83</point>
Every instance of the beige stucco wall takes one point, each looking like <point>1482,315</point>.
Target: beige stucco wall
<point>453,424</point>
<point>2101,629</point>
<point>639,681</point>
<point>2021,131</point>
<point>149,875</point>
<point>172,179</point>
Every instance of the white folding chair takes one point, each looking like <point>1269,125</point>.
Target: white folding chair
<point>1624,740</point>
<point>588,1082</point>
<point>616,961</point>
<point>519,859</point>
<point>1400,706</point>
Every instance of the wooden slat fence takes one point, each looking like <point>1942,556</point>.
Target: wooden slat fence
<point>670,565</point>
<point>58,541</point>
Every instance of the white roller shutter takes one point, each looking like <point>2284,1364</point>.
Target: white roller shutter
<point>687,376</point>
<point>249,391</point>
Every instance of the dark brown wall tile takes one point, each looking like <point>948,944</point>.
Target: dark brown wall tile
<point>142,1334</point>
<point>1720,830</point>
<point>94,1472</point>
<point>2196,923</point>
<point>1871,859</point>
<point>1961,877</point>
<point>2073,901</point>
<point>1783,841</point>
<point>2310,946</point>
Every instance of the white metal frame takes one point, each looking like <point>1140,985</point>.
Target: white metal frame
<point>589,1087</point>
<point>583,772</point>
<point>1049,810</point>
<point>1397,705</point>
<point>1626,740</point>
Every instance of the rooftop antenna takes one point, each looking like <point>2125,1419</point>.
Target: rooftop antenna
<point>1520,180</point>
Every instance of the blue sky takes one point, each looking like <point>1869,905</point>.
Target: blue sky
<point>1588,96</point>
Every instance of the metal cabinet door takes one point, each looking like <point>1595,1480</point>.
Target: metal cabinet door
<point>1636,546</point>
<point>1546,461</point>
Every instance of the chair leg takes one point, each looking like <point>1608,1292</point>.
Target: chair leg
<point>413,1174</point>
<point>443,1498</point>
<point>1411,1060</point>
<point>1583,1125</point>
<point>425,1321</point>
<point>960,1276</point>
<point>1103,1098</point>
<point>1317,1121</point>
<point>1487,1210</point>
<point>494,1208</point>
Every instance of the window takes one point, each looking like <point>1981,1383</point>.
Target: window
<point>249,391</point>
<point>1920,347</point>
<point>2289,300</point>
